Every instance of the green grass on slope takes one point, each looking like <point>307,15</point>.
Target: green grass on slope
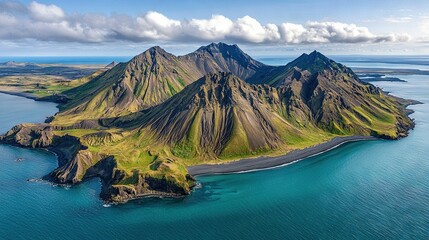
<point>188,148</point>
<point>141,152</point>
<point>238,144</point>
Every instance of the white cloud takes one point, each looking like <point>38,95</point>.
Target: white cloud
<point>340,32</point>
<point>50,23</point>
<point>45,13</point>
<point>157,26</point>
<point>217,27</point>
<point>333,32</point>
<point>292,33</point>
<point>250,30</point>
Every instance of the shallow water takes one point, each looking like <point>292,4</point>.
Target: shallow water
<point>364,190</point>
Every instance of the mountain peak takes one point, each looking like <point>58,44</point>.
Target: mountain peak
<point>151,54</point>
<point>314,62</point>
<point>233,52</point>
<point>220,46</point>
<point>153,51</point>
<point>157,50</point>
<point>313,56</point>
<point>111,65</point>
<point>223,57</point>
<point>315,52</point>
<point>318,55</point>
<point>223,48</point>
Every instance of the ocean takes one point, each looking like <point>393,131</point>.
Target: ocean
<point>407,62</point>
<point>362,190</point>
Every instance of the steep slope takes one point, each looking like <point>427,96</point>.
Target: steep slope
<point>144,81</point>
<point>221,57</point>
<point>154,76</point>
<point>218,115</point>
<point>330,95</point>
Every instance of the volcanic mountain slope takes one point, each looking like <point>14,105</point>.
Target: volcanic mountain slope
<point>154,76</point>
<point>221,57</point>
<point>215,119</point>
<point>145,80</point>
<point>317,89</point>
<point>217,116</point>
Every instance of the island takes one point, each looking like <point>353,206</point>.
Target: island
<point>146,127</point>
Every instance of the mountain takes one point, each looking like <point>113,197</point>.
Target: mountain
<point>138,128</point>
<point>304,66</point>
<point>331,96</point>
<point>154,76</point>
<point>221,57</point>
<point>219,115</point>
<point>147,79</point>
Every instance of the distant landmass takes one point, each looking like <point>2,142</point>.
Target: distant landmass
<point>141,125</point>
<point>374,77</point>
<point>40,80</point>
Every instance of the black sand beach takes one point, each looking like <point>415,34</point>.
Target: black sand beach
<point>253,164</point>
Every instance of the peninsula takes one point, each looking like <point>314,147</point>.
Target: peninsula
<point>147,126</point>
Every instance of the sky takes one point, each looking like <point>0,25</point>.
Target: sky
<point>261,28</point>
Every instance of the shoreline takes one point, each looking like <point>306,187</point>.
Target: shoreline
<point>20,94</point>
<point>265,163</point>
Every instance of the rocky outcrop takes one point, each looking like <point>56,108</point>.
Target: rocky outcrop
<point>77,164</point>
<point>120,186</point>
<point>75,167</point>
<point>72,156</point>
<point>145,186</point>
<point>100,138</point>
<point>29,135</point>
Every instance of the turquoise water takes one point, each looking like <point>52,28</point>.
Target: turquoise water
<point>364,190</point>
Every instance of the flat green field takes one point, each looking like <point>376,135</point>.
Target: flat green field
<point>41,80</point>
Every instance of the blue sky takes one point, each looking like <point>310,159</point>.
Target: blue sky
<point>287,27</point>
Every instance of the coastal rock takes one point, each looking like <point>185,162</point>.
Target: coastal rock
<point>145,186</point>
<point>77,164</point>
<point>29,135</point>
<point>74,169</point>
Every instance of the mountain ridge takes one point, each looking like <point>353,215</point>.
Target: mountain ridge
<point>132,129</point>
<point>155,75</point>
